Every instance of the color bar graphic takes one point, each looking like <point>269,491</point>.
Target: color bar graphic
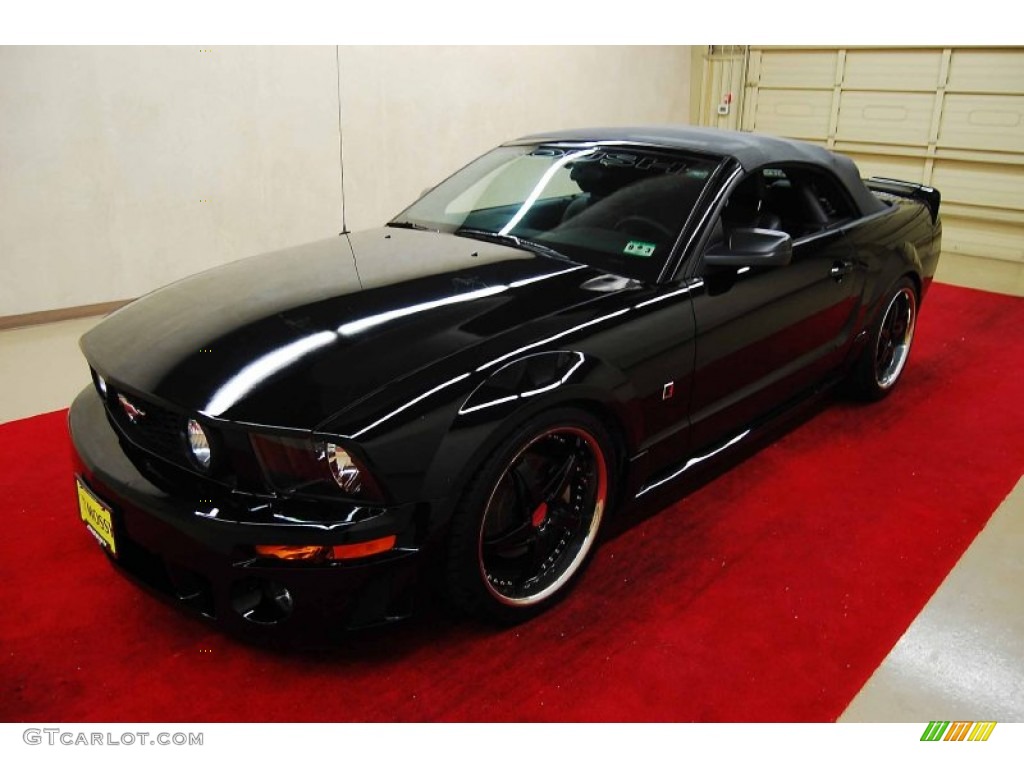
<point>944,730</point>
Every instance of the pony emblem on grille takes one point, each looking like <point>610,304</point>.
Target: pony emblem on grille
<point>132,411</point>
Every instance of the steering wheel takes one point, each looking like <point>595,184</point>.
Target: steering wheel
<point>642,226</point>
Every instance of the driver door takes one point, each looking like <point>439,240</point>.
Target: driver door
<point>767,334</point>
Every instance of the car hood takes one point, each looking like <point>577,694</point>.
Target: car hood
<point>293,337</point>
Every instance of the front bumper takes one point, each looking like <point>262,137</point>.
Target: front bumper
<point>197,552</point>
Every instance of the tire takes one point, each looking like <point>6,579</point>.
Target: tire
<point>884,358</point>
<point>529,520</point>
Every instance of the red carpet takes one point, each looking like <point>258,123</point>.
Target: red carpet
<point>770,595</point>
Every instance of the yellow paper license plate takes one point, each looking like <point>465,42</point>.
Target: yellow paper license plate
<point>97,517</point>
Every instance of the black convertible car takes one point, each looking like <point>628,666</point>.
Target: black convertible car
<point>562,330</point>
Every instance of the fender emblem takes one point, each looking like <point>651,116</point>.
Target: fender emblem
<point>132,411</point>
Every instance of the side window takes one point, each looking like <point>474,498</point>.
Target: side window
<point>793,199</point>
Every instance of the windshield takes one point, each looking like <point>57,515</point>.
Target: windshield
<point>617,209</point>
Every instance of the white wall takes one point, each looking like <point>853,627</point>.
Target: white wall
<point>414,115</point>
<point>122,169</point>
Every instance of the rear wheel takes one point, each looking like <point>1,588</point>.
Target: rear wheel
<point>883,359</point>
<point>530,518</point>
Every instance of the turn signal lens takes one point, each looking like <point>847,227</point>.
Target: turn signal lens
<point>363,548</point>
<point>318,554</point>
<point>286,552</point>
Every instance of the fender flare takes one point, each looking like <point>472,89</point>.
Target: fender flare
<point>517,392</point>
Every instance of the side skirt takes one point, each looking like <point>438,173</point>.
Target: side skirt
<point>650,495</point>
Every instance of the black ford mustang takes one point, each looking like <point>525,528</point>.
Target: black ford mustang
<point>568,326</point>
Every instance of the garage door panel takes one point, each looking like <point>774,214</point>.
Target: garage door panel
<point>800,114</point>
<point>890,166</point>
<point>984,239</point>
<point>983,122</point>
<point>892,71</point>
<point>948,117</point>
<point>980,184</point>
<point>797,69</point>
<point>888,118</point>
<point>986,274</point>
<point>987,72</point>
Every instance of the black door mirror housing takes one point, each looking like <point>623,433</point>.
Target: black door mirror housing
<point>751,248</point>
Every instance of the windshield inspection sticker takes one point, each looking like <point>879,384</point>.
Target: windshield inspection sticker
<point>640,248</point>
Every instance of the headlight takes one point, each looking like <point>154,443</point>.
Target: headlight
<point>101,385</point>
<point>343,468</point>
<point>198,444</point>
<point>349,472</point>
<point>294,464</point>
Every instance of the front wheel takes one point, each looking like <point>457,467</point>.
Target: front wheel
<point>885,356</point>
<point>530,518</point>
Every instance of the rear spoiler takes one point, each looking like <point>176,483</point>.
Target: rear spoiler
<point>927,195</point>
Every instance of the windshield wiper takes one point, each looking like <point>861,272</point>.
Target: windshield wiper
<point>409,225</point>
<point>514,240</point>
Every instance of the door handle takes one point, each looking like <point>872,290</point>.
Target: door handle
<point>841,269</point>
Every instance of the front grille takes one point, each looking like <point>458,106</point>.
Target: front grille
<point>156,443</point>
<point>155,429</point>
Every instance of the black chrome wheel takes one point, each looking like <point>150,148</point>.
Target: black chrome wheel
<point>542,516</point>
<point>531,517</point>
<point>892,347</point>
<point>884,358</point>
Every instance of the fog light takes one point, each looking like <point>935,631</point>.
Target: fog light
<point>198,444</point>
<point>261,601</point>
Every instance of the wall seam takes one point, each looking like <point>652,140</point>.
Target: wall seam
<point>341,138</point>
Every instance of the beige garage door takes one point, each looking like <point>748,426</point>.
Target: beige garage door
<point>949,117</point>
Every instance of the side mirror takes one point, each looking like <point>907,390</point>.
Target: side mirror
<point>751,248</point>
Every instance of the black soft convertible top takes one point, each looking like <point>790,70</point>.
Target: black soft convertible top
<point>751,150</point>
